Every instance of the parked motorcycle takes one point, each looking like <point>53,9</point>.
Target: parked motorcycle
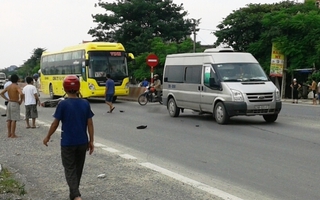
<point>149,96</point>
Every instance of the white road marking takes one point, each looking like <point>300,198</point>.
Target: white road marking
<point>191,182</point>
<point>99,145</point>
<point>127,156</point>
<point>111,150</point>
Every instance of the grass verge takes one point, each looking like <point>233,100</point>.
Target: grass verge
<point>9,185</point>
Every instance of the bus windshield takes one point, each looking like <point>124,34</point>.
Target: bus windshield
<point>103,63</point>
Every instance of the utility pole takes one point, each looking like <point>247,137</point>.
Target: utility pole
<point>195,23</point>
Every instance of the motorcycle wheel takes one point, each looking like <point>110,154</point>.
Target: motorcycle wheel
<point>142,99</point>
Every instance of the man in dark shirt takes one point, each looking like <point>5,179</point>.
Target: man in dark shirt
<point>109,93</point>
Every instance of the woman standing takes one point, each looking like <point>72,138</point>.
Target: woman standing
<point>295,90</point>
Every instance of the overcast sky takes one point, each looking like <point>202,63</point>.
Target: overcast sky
<point>54,24</point>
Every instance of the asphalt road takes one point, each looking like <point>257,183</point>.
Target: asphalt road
<point>247,158</point>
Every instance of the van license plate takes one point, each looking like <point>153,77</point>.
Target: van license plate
<point>261,107</point>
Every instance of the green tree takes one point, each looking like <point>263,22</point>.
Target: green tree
<point>292,26</point>
<point>161,49</point>
<point>136,22</point>
<point>32,65</point>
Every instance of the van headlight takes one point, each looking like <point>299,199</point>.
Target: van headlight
<point>91,86</point>
<point>278,96</point>
<point>237,95</point>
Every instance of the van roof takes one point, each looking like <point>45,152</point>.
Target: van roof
<point>222,57</point>
<point>218,50</point>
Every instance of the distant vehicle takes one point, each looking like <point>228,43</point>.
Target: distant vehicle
<point>219,82</point>
<point>3,79</point>
<point>91,62</point>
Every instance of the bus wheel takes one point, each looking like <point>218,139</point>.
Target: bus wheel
<point>52,96</point>
<point>173,109</point>
<point>114,99</point>
<point>220,113</point>
<point>270,118</point>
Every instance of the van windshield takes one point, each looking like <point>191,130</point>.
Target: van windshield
<point>240,72</point>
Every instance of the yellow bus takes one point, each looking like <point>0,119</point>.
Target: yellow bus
<point>90,61</point>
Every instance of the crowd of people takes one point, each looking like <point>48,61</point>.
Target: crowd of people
<point>314,87</point>
<point>77,131</point>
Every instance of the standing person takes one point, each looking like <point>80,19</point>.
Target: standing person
<point>76,117</point>
<point>318,86</point>
<point>157,84</point>
<point>31,99</point>
<point>144,83</point>
<point>36,83</point>
<point>295,90</point>
<point>313,88</point>
<point>6,94</point>
<point>13,108</point>
<point>109,93</point>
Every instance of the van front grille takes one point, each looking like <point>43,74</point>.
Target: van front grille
<point>260,111</point>
<point>260,97</point>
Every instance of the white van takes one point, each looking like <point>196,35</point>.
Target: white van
<point>219,82</point>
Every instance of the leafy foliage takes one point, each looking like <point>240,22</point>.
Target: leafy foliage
<point>135,23</point>
<point>294,27</point>
<point>161,49</point>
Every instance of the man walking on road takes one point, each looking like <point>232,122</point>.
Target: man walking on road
<point>109,93</point>
<point>14,101</point>
<point>76,117</point>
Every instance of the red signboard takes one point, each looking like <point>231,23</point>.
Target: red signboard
<point>152,60</point>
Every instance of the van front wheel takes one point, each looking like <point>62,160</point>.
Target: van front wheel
<point>173,110</point>
<point>270,118</point>
<point>220,113</point>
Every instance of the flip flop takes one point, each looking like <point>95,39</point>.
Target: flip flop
<point>112,109</point>
<point>35,127</point>
<point>142,127</point>
<point>28,127</point>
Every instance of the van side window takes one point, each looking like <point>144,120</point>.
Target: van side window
<point>174,74</point>
<point>209,73</point>
<point>193,74</point>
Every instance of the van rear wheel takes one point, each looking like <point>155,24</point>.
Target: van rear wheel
<point>220,113</point>
<point>173,109</point>
<point>270,118</point>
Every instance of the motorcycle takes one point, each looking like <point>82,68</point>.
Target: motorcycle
<point>149,96</point>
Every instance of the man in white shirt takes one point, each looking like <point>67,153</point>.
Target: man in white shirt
<point>6,94</point>
<point>31,99</point>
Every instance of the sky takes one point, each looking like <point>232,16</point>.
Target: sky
<point>55,24</point>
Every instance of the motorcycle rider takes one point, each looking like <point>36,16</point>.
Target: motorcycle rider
<point>157,85</point>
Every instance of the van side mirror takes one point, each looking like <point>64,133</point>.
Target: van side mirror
<point>165,79</point>
<point>86,62</point>
<point>213,83</point>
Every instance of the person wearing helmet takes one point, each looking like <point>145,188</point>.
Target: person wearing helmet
<point>76,117</point>
<point>36,82</point>
<point>157,84</point>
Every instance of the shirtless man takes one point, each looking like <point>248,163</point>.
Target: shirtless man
<point>14,102</point>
